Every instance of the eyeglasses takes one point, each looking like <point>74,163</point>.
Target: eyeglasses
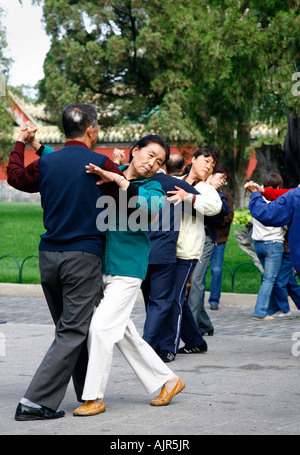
<point>223,179</point>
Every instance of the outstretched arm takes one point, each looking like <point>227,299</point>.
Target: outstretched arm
<point>107,176</point>
<point>275,213</point>
<point>271,194</point>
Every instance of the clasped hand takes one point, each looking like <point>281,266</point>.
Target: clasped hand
<point>28,131</point>
<point>252,186</point>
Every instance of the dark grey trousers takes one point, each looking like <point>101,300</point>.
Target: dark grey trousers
<point>197,289</point>
<point>72,284</point>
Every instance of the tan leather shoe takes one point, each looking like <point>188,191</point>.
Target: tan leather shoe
<point>165,397</point>
<point>90,408</point>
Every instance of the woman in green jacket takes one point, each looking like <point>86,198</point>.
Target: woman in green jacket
<point>125,266</point>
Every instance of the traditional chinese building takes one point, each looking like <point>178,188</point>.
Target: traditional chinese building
<point>120,137</point>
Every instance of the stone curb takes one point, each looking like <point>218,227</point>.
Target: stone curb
<point>35,290</point>
<point>12,289</point>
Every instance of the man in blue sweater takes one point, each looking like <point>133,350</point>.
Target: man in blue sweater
<point>285,210</point>
<point>70,253</point>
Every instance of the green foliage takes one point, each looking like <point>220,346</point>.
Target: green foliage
<point>25,92</point>
<point>5,131</point>
<point>5,62</point>
<point>241,217</point>
<point>5,119</point>
<point>195,71</point>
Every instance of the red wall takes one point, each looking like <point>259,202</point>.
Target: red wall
<point>108,151</point>
<point>30,156</point>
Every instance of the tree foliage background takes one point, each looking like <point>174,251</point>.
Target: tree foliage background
<point>195,71</point>
<point>6,122</point>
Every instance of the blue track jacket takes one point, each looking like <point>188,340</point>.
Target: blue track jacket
<point>285,210</point>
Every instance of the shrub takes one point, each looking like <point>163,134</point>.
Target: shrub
<point>242,216</point>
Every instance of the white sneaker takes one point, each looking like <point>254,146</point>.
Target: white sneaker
<point>266,318</point>
<point>282,315</point>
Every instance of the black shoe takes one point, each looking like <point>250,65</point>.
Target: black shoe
<point>167,356</point>
<point>197,350</point>
<point>28,413</point>
<point>210,332</point>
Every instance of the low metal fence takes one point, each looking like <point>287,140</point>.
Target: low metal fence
<point>233,272</point>
<point>20,266</point>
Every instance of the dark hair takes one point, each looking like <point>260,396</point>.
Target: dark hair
<point>272,179</point>
<point>221,169</point>
<point>76,118</point>
<point>175,163</point>
<point>187,169</point>
<point>148,140</point>
<point>207,151</point>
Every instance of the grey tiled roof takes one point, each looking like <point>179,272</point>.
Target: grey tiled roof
<point>50,134</point>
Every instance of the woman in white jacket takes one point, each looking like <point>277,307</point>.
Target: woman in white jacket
<point>269,246</point>
<point>189,247</point>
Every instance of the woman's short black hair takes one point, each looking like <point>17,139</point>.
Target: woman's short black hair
<point>207,151</point>
<point>146,140</point>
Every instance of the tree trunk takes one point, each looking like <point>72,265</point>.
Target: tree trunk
<point>241,163</point>
<point>270,158</point>
<point>285,161</point>
<point>291,150</point>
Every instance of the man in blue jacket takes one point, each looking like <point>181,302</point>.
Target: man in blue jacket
<point>70,253</point>
<point>285,210</point>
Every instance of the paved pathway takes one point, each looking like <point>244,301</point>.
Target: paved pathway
<point>247,383</point>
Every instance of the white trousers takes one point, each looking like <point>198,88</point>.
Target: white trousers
<point>110,325</point>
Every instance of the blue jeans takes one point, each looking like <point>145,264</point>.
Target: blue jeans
<point>269,254</point>
<point>216,267</point>
<point>285,284</point>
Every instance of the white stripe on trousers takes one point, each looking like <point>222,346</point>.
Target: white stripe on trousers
<point>111,325</point>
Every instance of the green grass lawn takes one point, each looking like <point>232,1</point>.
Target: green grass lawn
<point>247,278</point>
<point>22,223</point>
